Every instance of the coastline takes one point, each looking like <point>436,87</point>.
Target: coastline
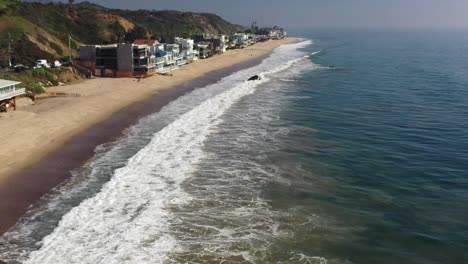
<point>47,140</point>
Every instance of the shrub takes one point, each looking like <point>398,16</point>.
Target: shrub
<point>56,47</point>
<point>34,87</point>
<point>38,73</point>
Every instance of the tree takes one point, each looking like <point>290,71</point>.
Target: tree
<point>137,32</point>
<point>191,30</point>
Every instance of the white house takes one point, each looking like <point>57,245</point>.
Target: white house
<point>186,46</point>
<point>9,90</point>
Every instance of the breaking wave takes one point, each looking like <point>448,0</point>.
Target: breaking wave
<point>133,217</point>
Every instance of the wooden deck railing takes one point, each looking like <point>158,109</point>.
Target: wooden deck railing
<point>83,70</point>
<point>10,94</point>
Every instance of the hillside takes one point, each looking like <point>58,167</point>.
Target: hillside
<point>168,23</point>
<point>41,30</point>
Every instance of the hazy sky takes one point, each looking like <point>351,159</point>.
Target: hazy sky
<point>320,13</point>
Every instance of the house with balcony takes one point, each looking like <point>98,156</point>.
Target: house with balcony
<point>195,54</point>
<point>204,49</point>
<point>238,40</point>
<point>252,38</point>
<point>115,60</point>
<point>172,57</point>
<point>187,49</point>
<point>218,42</point>
<point>141,58</point>
<point>9,90</point>
<point>149,56</point>
<point>177,54</point>
<point>143,61</point>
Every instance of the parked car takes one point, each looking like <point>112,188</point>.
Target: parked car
<point>19,67</point>
<point>42,63</point>
<point>56,64</point>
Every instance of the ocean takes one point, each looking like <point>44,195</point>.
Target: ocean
<point>366,162</point>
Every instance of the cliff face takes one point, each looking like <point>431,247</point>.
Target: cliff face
<point>164,23</point>
<point>41,30</point>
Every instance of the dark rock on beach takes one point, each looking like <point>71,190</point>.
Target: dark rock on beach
<point>255,78</point>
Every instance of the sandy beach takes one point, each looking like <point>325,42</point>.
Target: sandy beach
<point>32,132</point>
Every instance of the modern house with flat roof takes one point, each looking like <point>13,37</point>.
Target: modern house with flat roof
<point>174,58</point>
<point>218,42</point>
<point>187,47</point>
<point>238,40</point>
<point>143,57</point>
<point>9,90</point>
<point>204,49</point>
<point>114,60</point>
<point>149,57</point>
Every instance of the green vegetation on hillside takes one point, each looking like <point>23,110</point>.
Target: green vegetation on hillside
<point>41,31</point>
<point>36,79</point>
<point>170,23</point>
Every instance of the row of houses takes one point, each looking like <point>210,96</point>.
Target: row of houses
<point>149,56</point>
<point>241,40</point>
<point>145,57</point>
<point>127,60</point>
<point>271,33</point>
<point>141,58</point>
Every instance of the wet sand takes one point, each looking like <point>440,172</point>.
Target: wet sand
<point>44,142</point>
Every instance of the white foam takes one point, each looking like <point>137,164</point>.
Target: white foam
<point>128,220</point>
<point>301,258</point>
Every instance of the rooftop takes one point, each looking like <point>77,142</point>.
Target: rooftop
<point>101,46</point>
<point>149,42</point>
<point>6,83</point>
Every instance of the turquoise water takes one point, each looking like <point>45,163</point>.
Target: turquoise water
<point>364,163</point>
<point>384,155</point>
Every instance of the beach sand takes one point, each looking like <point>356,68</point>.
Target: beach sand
<point>33,132</point>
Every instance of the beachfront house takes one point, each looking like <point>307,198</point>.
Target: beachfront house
<point>204,49</point>
<point>195,53</point>
<point>9,90</point>
<point>115,60</point>
<point>262,38</point>
<point>218,42</point>
<point>272,33</point>
<point>238,40</point>
<point>172,56</point>
<point>143,60</point>
<point>252,38</point>
<point>177,54</point>
<point>223,45</point>
<point>231,42</point>
<point>143,57</point>
<point>187,49</point>
<point>160,57</point>
<point>281,32</point>
<point>147,58</point>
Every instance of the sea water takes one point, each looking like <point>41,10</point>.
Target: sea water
<point>366,162</point>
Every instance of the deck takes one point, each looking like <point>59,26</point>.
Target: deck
<point>10,94</point>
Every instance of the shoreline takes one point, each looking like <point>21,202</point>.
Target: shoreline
<point>57,135</point>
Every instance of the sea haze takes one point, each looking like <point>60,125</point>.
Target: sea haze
<point>365,162</point>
